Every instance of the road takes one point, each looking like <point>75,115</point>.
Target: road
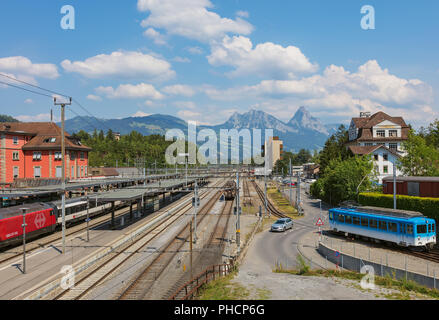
<point>267,249</point>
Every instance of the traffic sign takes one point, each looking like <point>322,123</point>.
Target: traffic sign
<point>319,222</point>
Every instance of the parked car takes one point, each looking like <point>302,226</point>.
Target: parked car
<point>282,225</point>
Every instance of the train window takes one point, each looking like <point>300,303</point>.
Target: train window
<point>432,228</point>
<point>421,228</point>
<point>364,222</point>
<point>402,228</point>
<point>340,218</point>
<point>383,225</point>
<point>348,219</point>
<point>356,220</point>
<point>330,216</point>
<point>409,229</point>
<point>429,228</point>
<point>393,227</point>
<point>373,223</point>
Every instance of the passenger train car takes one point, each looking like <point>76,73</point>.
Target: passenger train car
<point>404,228</point>
<point>43,218</point>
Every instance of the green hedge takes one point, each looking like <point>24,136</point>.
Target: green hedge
<point>427,206</point>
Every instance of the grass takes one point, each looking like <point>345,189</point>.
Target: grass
<point>406,288</point>
<point>223,289</point>
<point>281,203</point>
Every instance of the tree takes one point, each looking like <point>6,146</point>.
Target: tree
<point>334,149</point>
<point>342,178</point>
<point>421,159</point>
<point>6,118</point>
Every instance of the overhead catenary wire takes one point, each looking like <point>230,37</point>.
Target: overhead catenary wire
<point>53,92</point>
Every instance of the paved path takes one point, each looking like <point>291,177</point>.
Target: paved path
<point>269,248</point>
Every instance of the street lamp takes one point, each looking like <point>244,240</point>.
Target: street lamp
<point>24,238</point>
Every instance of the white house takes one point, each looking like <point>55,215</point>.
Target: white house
<point>381,136</point>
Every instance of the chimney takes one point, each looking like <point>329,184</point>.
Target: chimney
<point>364,114</point>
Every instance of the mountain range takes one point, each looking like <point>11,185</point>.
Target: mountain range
<point>303,131</point>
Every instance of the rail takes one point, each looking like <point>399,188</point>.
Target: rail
<point>190,288</point>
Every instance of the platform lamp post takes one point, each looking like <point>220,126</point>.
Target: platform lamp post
<point>88,220</point>
<point>63,153</point>
<point>185,155</point>
<point>24,238</point>
<point>394,185</point>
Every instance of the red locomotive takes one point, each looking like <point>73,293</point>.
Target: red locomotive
<point>41,218</point>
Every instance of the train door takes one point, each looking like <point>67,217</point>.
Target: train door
<point>402,233</point>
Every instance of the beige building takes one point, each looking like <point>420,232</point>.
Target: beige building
<point>273,150</point>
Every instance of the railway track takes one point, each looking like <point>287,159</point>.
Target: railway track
<point>210,255</point>
<point>95,275</point>
<point>270,207</point>
<point>144,281</point>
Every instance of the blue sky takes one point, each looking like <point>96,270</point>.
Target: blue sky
<point>205,59</point>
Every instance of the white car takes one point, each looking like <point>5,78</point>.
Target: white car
<point>282,225</point>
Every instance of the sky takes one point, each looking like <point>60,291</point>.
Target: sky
<point>203,60</point>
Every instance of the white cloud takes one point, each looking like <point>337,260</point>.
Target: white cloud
<point>185,105</point>
<point>141,114</point>
<point>191,19</point>
<point>122,64</point>
<point>42,117</point>
<point>94,97</point>
<point>141,90</point>
<point>337,87</point>
<point>242,14</point>
<point>181,59</point>
<point>265,60</point>
<point>28,101</point>
<point>22,66</point>
<point>179,90</point>
<point>195,50</point>
<point>158,38</point>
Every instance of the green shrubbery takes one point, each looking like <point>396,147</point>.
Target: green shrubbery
<point>427,206</point>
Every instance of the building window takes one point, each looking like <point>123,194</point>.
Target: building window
<point>16,172</point>
<point>37,172</point>
<point>15,156</point>
<point>368,144</point>
<point>82,155</point>
<point>49,140</point>
<point>58,172</point>
<point>375,156</point>
<point>381,133</point>
<point>385,169</point>
<point>15,140</point>
<point>58,155</point>
<point>37,156</point>
<point>82,171</point>
<point>85,171</point>
<point>393,133</point>
<point>385,157</point>
<point>73,172</point>
<point>72,155</point>
<point>393,146</point>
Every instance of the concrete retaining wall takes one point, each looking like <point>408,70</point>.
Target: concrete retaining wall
<point>355,264</point>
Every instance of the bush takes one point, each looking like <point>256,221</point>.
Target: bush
<point>427,206</point>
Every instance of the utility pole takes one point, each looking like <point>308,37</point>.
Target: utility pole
<point>238,221</point>
<point>195,207</point>
<point>298,192</point>
<point>394,185</point>
<point>265,193</point>
<point>291,187</point>
<point>24,239</point>
<point>63,154</point>
<point>88,220</point>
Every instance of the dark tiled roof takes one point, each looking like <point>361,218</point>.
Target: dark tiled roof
<point>363,150</point>
<point>365,125</point>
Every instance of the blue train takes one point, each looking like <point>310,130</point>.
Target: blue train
<point>404,228</point>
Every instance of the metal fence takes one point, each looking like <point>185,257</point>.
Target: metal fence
<point>354,256</point>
